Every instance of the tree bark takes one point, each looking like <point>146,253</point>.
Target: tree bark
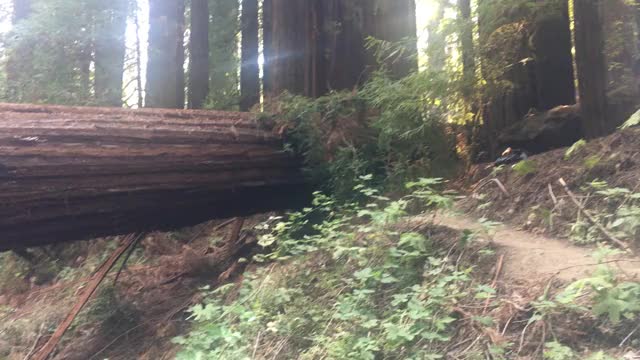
<point>180,85</point>
<point>466,44</point>
<point>199,54</point>
<point>551,50</point>
<point>110,49</point>
<point>343,27</point>
<point>267,41</point>
<point>165,74</point>
<point>77,173</point>
<point>250,69</point>
<point>286,64</point>
<point>317,46</point>
<point>621,54</point>
<point>591,66</point>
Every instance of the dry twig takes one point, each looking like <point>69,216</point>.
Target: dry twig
<point>497,182</point>
<point>35,343</point>
<point>602,229</point>
<point>553,196</point>
<point>495,281</point>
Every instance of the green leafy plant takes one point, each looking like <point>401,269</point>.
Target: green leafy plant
<point>610,296</point>
<point>525,167</point>
<point>592,161</point>
<point>395,130</point>
<point>634,120</point>
<point>575,148</point>
<point>355,287</point>
<point>556,351</point>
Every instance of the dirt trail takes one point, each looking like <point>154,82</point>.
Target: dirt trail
<point>528,255</point>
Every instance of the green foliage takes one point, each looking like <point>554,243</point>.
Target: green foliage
<point>575,148</point>
<point>556,351</point>
<point>600,356</point>
<point>616,299</point>
<point>356,287</point>
<point>12,273</point>
<point>54,48</point>
<point>394,130</point>
<point>634,120</point>
<point>592,161</point>
<point>525,167</point>
<point>223,55</point>
<point>620,213</point>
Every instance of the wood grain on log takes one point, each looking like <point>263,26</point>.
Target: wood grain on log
<point>70,173</point>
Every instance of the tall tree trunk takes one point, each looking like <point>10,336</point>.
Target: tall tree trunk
<point>395,21</point>
<point>199,54</point>
<point>466,44</point>
<point>551,50</point>
<point>267,41</point>
<point>286,62</point>
<point>591,66</point>
<point>317,46</point>
<point>84,58</point>
<point>139,89</point>
<point>621,54</point>
<point>19,58</point>
<point>165,73</point>
<point>180,71</point>
<point>110,49</point>
<point>250,69</point>
<point>344,26</point>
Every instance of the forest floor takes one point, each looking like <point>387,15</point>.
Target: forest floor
<point>536,246</point>
<point>139,316</point>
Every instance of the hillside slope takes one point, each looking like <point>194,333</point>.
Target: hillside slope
<point>603,175</point>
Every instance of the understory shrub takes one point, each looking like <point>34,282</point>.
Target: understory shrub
<point>356,288</point>
<point>396,130</point>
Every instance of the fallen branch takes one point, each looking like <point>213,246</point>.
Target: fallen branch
<point>497,182</point>
<point>35,343</point>
<point>51,344</point>
<point>132,248</point>
<point>591,219</point>
<point>553,196</point>
<point>204,227</point>
<point>234,235</point>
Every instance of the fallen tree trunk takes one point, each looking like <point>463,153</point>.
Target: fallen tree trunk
<point>70,173</point>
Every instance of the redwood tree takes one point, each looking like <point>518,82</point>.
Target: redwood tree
<point>165,74</point>
<point>286,62</point>
<point>267,30</point>
<point>466,43</point>
<point>591,65</point>
<point>199,54</point>
<point>250,69</point>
